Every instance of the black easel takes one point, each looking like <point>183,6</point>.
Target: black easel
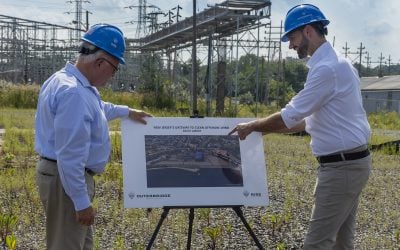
<point>236,208</point>
<point>165,212</point>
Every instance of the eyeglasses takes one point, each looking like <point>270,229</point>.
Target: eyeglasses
<point>115,68</point>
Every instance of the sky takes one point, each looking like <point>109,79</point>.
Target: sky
<point>375,24</point>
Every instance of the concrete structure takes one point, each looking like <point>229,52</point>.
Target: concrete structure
<point>381,93</point>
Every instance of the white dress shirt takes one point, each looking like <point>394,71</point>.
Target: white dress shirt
<point>330,104</point>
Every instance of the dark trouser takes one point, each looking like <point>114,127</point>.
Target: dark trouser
<point>63,232</point>
<point>337,194</point>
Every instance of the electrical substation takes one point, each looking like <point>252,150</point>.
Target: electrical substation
<point>216,37</point>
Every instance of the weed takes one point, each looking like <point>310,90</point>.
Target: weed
<point>8,224</point>
<point>119,243</point>
<point>281,246</point>
<point>205,214</point>
<point>214,233</point>
<point>8,159</point>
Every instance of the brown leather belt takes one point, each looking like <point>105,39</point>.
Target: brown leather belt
<point>343,157</point>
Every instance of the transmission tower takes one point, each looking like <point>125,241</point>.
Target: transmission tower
<point>79,25</point>
<point>141,27</point>
<point>143,18</point>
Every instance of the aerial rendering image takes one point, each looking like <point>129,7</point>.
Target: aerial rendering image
<point>181,161</point>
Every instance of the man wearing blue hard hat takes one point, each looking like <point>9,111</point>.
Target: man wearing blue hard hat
<point>72,136</point>
<point>329,108</point>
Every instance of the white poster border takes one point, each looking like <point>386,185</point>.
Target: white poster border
<point>254,191</point>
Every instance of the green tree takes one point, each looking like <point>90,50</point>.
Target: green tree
<point>155,85</point>
<point>295,74</point>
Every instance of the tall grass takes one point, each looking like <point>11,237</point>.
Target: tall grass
<point>385,120</point>
<point>25,97</point>
<point>17,118</point>
<point>131,99</point>
<point>18,96</point>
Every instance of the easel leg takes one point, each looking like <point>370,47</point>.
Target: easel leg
<point>189,239</point>
<point>239,213</point>
<point>162,218</point>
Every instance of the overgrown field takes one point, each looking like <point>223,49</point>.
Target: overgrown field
<point>291,172</point>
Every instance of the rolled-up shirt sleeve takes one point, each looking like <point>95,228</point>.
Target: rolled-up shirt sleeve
<point>288,118</point>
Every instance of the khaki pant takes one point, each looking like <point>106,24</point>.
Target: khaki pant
<point>337,194</point>
<point>62,229</point>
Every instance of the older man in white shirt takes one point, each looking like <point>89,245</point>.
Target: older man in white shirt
<point>72,137</point>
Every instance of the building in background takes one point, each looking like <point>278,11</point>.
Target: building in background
<point>381,93</point>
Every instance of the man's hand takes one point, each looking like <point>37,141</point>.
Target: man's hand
<point>86,216</point>
<point>243,130</point>
<point>138,115</point>
<point>270,124</point>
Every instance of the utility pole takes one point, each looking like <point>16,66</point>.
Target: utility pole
<point>194,61</point>
<point>380,65</point>
<point>153,17</point>
<point>177,8</point>
<point>346,50</point>
<point>368,58</point>
<point>170,15</point>
<point>87,20</point>
<point>389,61</point>
<point>361,53</point>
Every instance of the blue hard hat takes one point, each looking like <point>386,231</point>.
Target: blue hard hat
<point>108,38</point>
<point>301,15</point>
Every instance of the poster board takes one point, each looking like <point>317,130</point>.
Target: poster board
<point>191,162</point>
